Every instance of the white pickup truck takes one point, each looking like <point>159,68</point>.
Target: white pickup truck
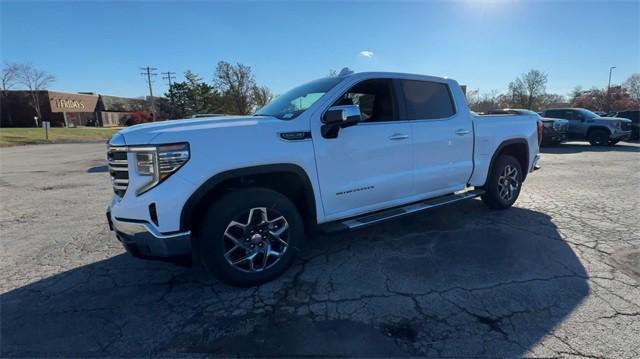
<point>241,193</point>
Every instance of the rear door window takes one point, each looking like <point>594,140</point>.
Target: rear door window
<point>427,100</point>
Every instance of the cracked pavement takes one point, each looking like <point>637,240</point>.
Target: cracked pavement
<point>557,275</point>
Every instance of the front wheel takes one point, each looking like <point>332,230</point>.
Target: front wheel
<point>598,138</point>
<point>250,236</point>
<point>503,183</point>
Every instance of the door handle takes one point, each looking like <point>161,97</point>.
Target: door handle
<point>462,132</point>
<point>398,137</point>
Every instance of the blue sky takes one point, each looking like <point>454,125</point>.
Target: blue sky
<point>99,46</point>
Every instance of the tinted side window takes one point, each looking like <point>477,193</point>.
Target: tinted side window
<point>427,100</point>
<point>375,99</point>
<point>575,115</point>
<point>564,114</point>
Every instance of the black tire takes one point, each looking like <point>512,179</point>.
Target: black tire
<point>216,227</point>
<point>493,197</point>
<point>598,138</point>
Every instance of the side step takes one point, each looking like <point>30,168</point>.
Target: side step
<point>377,217</point>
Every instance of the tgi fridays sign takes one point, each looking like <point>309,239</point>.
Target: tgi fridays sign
<point>66,102</point>
<point>69,104</point>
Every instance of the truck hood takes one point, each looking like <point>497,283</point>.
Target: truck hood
<point>144,134</point>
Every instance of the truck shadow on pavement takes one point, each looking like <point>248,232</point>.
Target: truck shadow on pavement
<point>461,281</point>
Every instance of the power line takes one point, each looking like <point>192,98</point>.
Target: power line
<point>168,76</point>
<point>148,72</point>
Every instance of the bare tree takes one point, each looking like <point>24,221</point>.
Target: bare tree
<point>7,81</point>
<point>35,81</point>
<point>262,95</point>
<point>550,100</point>
<point>528,89</point>
<point>236,83</point>
<point>632,85</point>
<point>483,103</point>
<point>575,93</point>
<point>9,76</point>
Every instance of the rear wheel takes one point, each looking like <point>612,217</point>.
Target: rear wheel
<point>598,137</point>
<point>250,236</point>
<point>503,184</point>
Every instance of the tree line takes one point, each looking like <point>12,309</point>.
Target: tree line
<point>528,91</point>
<point>27,77</point>
<point>233,91</point>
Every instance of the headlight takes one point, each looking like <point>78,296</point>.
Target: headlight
<point>159,162</point>
<point>618,124</point>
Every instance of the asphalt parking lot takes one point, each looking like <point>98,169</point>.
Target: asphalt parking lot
<point>557,275</point>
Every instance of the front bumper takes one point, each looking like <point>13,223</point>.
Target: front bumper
<point>535,166</point>
<point>555,134</point>
<point>142,240</point>
<point>552,135</point>
<point>620,135</point>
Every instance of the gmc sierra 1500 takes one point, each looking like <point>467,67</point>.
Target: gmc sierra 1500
<point>240,193</point>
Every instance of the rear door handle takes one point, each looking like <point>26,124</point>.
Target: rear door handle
<point>462,132</point>
<point>398,137</point>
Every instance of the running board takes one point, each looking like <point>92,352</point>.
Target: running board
<point>384,215</point>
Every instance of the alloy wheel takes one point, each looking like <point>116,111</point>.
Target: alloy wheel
<point>508,183</point>
<point>256,240</point>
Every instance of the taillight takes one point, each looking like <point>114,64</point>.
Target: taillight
<point>540,132</point>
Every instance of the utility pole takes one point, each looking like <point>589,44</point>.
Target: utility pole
<point>148,72</point>
<point>168,76</point>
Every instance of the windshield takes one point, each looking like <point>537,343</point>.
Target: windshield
<point>587,113</point>
<point>296,101</point>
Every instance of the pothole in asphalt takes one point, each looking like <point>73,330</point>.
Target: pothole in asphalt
<point>627,260</point>
<point>98,169</point>
<point>62,186</point>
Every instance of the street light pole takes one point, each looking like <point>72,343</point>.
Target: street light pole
<point>609,85</point>
<point>609,89</point>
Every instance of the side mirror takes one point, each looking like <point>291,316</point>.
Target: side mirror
<point>338,117</point>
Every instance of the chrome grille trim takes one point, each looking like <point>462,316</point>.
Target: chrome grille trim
<point>118,169</point>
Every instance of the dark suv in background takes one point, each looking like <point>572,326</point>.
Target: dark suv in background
<point>586,125</point>
<point>634,116</point>
<point>555,129</point>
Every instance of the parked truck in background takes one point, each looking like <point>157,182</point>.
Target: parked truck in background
<point>240,194</point>
<point>555,129</point>
<point>634,117</point>
<point>586,125</point>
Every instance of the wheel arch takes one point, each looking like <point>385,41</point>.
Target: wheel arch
<point>516,147</point>
<point>289,179</point>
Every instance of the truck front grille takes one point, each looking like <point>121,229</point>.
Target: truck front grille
<point>118,169</point>
<point>626,126</point>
